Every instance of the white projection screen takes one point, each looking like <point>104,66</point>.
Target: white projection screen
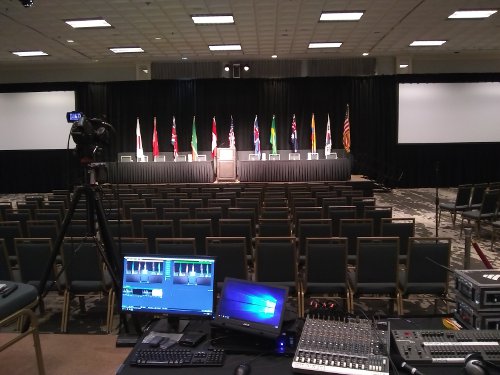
<point>449,112</point>
<point>35,120</point>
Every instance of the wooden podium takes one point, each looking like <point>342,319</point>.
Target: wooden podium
<point>226,164</point>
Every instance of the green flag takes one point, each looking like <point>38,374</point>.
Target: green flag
<point>194,141</point>
<point>273,137</point>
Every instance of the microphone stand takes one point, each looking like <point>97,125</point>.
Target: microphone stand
<point>437,199</point>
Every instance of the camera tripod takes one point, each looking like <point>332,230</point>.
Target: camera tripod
<point>102,237</point>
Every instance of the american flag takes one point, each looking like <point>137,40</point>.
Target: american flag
<point>295,141</point>
<point>174,139</point>
<point>346,139</point>
<point>256,139</point>
<point>232,138</point>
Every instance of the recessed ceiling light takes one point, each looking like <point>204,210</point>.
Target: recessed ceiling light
<point>70,41</point>
<point>208,19</point>
<point>126,49</point>
<point>184,58</point>
<point>427,43</point>
<point>341,16</point>
<point>325,45</point>
<point>225,47</point>
<point>403,66</point>
<point>274,56</point>
<point>30,53</point>
<point>158,38</point>
<point>466,14</point>
<point>365,53</point>
<point>87,23</point>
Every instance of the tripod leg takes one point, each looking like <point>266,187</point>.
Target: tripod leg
<point>57,245</point>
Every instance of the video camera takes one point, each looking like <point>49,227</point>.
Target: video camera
<point>89,135</point>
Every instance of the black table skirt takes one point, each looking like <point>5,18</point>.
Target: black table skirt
<point>160,172</point>
<point>295,170</point>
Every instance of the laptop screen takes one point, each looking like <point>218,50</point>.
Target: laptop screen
<point>255,308</point>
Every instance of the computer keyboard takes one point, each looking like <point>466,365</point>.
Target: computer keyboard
<point>176,357</point>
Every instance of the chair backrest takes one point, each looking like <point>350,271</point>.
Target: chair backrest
<point>477,194</point>
<point>138,214</point>
<point>307,212</point>
<point>231,254</point>
<point>176,214</point>
<point>275,227</point>
<point>43,229</point>
<point>377,213</point>
<point>121,228</point>
<point>21,215</point>
<point>131,245</point>
<point>361,203</point>
<point>352,229</point>
<point>243,213</point>
<point>77,228</point>
<point>212,213</point>
<point>336,213</point>
<point>326,260</point>
<point>48,214</point>
<point>8,231</point>
<point>5,270</point>
<point>377,260</point>
<point>463,197</point>
<point>4,205</point>
<point>272,212</point>
<point>153,229</point>
<point>237,228</point>
<point>82,261</point>
<point>160,203</point>
<point>198,229</point>
<point>312,228</point>
<point>33,255</point>
<point>276,260</point>
<point>176,246</point>
<point>489,204</point>
<point>127,204</point>
<point>401,227</point>
<point>191,204</point>
<point>423,254</point>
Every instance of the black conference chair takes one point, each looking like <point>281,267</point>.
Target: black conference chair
<point>276,263</point>
<point>376,272</point>
<point>153,229</point>
<point>325,271</point>
<point>352,229</point>
<point>401,227</point>
<point>426,272</point>
<point>199,229</point>
<point>85,275</point>
<point>176,246</point>
<point>238,228</point>
<point>275,227</point>
<point>377,213</point>
<point>131,245</point>
<point>309,228</point>
<point>461,203</point>
<point>486,212</point>
<point>137,215</point>
<point>231,255</point>
<point>5,269</point>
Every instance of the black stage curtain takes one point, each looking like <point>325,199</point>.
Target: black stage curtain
<point>373,118</point>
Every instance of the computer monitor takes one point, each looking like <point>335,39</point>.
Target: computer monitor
<point>251,307</point>
<point>180,286</point>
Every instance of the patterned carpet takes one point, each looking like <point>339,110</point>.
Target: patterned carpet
<point>418,203</point>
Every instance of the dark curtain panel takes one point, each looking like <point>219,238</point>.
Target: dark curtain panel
<point>375,152</point>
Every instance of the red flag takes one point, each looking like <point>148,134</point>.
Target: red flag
<point>156,148</point>
<point>214,138</point>
<point>174,139</point>
<point>347,131</point>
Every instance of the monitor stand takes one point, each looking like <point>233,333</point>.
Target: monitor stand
<point>171,325</point>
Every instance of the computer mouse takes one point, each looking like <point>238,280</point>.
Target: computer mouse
<point>242,369</point>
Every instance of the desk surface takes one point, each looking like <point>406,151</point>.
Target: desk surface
<point>281,365</point>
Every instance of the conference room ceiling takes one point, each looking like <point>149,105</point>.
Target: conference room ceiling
<point>165,31</point>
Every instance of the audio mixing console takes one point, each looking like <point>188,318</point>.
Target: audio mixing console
<point>350,346</point>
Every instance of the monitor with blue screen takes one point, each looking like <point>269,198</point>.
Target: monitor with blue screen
<point>172,286</point>
<point>251,307</point>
